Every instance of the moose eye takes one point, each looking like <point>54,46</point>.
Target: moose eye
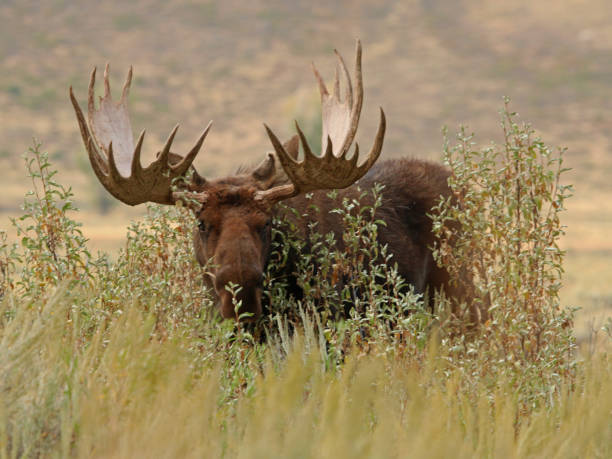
<point>263,231</point>
<point>203,227</point>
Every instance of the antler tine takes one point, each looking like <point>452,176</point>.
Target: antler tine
<point>355,107</point>
<point>106,82</point>
<point>97,162</point>
<point>349,86</point>
<point>90,92</point>
<point>308,154</point>
<point>114,157</point>
<point>287,162</point>
<point>113,171</point>
<point>136,165</point>
<point>332,169</point>
<point>337,83</point>
<point>183,165</point>
<point>278,193</point>
<point>126,86</point>
<point>322,88</point>
<point>163,156</point>
<point>378,143</point>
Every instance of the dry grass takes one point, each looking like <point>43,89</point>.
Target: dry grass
<point>123,358</point>
<point>120,393</point>
<point>95,382</point>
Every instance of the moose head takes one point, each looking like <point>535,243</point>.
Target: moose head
<point>233,213</point>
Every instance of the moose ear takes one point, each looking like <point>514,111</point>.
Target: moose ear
<point>196,179</point>
<point>292,147</point>
<point>266,170</point>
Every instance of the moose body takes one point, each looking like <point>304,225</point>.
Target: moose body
<point>234,214</point>
<point>412,187</point>
<point>236,232</point>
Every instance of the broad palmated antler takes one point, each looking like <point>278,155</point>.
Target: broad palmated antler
<point>116,161</point>
<point>331,170</point>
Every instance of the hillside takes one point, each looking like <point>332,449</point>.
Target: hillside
<point>429,63</point>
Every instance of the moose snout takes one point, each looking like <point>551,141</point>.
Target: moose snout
<point>247,277</point>
<point>248,291</point>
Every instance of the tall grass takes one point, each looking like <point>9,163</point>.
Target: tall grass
<point>127,358</point>
<point>121,393</point>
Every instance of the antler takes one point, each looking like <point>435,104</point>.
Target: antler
<point>114,158</point>
<point>332,170</point>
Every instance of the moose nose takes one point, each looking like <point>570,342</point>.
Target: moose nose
<point>248,300</point>
<point>248,295</point>
<point>250,277</point>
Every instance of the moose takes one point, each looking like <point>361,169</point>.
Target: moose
<point>234,213</point>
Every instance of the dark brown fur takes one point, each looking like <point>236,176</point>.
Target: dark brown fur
<point>411,188</point>
<point>234,228</point>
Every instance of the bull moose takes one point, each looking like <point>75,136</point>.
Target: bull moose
<point>234,213</point>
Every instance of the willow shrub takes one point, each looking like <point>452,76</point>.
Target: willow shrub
<point>498,235</point>
<point>101,356</point>
<point>52,247</point>
<point>352,294</point>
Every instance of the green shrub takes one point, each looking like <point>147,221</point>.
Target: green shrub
<point>102,357</point>
<point>157,267</point>
<point>498,235</point>
<point>353,295</point>
<point>52,246</point>
<point>8,259</point>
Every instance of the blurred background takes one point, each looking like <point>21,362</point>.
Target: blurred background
<point>429,63</point>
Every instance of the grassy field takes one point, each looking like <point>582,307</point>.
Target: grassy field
<point>125,357</point>
<point>127,395</point>
<point>98,359</point>
<point>428,63</point>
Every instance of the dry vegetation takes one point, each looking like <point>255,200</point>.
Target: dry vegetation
<point>126,358</point>
<point>129,396</point>
<point>428,63</point>
<point>99,359</point>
